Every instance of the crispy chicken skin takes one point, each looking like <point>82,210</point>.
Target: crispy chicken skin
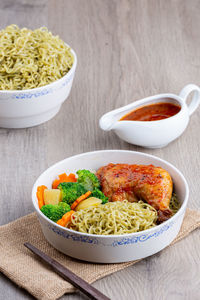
<point>134,182</point>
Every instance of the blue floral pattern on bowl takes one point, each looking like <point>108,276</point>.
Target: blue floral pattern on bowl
<point>43,92</point>
<point>141,238</point>
<point>118,242</point>
<point>75,238</point>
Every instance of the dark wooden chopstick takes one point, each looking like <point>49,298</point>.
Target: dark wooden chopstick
<point>68,275</point>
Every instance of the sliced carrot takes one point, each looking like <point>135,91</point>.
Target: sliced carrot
<point>40,195</point>
<point>66,218</point>
<point>63,178</point>
<point>81,198</point>
<point>60,222</point>
<point>72,177</point>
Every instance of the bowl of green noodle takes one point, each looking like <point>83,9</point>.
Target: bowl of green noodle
<point>116,231</point>
<point>36,76</point>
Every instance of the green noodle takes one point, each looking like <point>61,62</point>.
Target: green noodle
<point>174,204</point>
<point>115,218</point>
<point>118,217</point>
<point>30,59</point>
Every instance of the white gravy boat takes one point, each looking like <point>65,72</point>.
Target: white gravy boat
<point>153,134</point>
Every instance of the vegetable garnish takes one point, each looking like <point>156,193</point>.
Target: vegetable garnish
<point>66,218</point>
<point>88,179</point>
<point>40,195</point>
<point>64,178</point>
<point>89,202</point>
<point>81,198</point>
<point>55,212</point>
<point>100,195</point>
<point>52,196</point>
<point>71,191</point>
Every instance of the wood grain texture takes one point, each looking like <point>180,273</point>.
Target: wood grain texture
<point>126,50</point>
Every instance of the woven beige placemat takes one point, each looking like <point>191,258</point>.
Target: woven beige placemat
<point>22,267</point>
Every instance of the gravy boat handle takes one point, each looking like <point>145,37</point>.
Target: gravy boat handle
<point>191,88</point>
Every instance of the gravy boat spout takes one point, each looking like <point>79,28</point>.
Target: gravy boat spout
<point>107,122</point>
<point>110,120</point>
<point>156,133</point>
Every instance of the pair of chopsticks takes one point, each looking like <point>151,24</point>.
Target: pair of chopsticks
<point>68,275</point>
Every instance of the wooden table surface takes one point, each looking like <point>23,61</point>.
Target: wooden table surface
<point>126,50</point>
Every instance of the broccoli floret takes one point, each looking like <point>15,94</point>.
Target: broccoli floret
<point>64,205</point>
<point>88,179</point>
<point>55,212</point>
<point>99,194</point>
<point>71,191</point>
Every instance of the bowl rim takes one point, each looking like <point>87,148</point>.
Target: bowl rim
<point>37,89</point>
<point>127,235</point>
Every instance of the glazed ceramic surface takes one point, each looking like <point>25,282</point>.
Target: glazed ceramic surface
<point>153,134</point>
<point>113,248</point>
<point>27,108</point>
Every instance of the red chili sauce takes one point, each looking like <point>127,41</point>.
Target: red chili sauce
<point>152,112</point>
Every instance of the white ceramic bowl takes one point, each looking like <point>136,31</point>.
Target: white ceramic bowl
<point>113,248</point>
<point>27,108</point>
